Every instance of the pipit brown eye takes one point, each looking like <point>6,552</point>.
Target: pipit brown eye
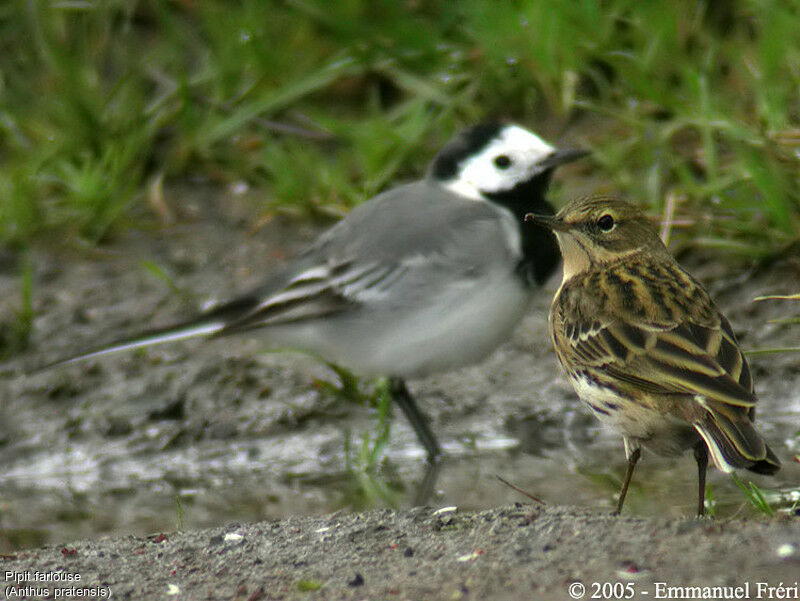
<point>502,161</point>
<point>606,223</point>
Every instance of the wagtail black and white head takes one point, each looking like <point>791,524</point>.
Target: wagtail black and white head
<point>423,278</point>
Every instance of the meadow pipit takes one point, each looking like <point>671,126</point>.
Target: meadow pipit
<point>646,348</point>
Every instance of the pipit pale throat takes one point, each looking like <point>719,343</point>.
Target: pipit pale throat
<point>646,348</point>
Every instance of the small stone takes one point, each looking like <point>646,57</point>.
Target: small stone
<point>630,570</point>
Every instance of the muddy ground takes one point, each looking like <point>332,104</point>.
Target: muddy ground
<point>197,435</point>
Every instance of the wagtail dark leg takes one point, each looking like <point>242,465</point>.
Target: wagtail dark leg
<point>418,421</point>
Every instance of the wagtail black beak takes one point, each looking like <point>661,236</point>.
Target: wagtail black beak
<point>559,157</point>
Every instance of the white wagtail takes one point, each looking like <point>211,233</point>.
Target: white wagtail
<point>423,278</point>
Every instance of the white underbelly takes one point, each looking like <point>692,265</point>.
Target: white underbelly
<point>662,433</point>
<point>454,330</point>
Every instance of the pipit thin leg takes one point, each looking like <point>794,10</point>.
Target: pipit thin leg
<point>632,459</point>
<point>701,456</point>
<point>402,396</point>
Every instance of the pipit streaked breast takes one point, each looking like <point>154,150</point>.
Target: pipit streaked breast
<point>646,348</point>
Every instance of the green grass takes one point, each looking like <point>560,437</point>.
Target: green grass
<point>710,502</point>
<point>755,495</point>
<point>307,586</point>
<point>371,451</point>
<point>16,330</point>
<point>317,105</point>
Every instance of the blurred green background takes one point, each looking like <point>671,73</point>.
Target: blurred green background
<point>689,107</point>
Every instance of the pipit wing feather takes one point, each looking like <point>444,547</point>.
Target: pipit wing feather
<point>668,339</point>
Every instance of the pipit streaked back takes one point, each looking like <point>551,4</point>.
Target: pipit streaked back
<point>645,347</point>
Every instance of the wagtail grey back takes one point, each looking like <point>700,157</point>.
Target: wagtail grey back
<point>423,278</point>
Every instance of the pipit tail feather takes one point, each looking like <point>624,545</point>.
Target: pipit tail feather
<point>732,440</point>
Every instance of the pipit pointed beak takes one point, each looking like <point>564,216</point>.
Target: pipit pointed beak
<point>551,222</point>
<point>559,157</point>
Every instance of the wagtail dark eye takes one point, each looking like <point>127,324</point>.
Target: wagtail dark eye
<point>502,161</point>
<point>606,223</point>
